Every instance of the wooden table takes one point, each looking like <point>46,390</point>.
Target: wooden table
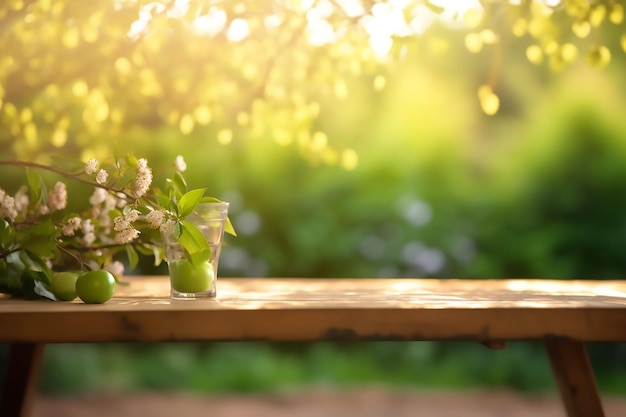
<point>562,314</point>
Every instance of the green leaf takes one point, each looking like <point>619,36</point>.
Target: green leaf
<point>27,286</point>
<point>12,272</point>
<point>191,238</point>
<point>194,242</point>
<point>39,239</point>
<point>45,228</point>
<point>209,199</point>
<point>44,248</point>
<point>200,257</point>
<point>158,254</point>
<point>42,290</point>
<point>33,263</point>
<point>33,287</point>
<point>14,263</point>
<point>37,189</point>
<point>162,199</point>
<point>6,234</point>
<point>189,201</point>
<point>172,207</point>
<point>133,257</point>
<point>144,249</point>
<point>178,230</point>
<point>156,251</point>
<point>131,160</point>
<point>25,275</point>
<point>179,184</point>
<point>229,228</point>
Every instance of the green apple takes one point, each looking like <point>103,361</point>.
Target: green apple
<point>63,285</point>
<point>189,279</point>
<point>95,287</point>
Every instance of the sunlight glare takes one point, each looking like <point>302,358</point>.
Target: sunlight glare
<point>552,3</point>
<point>385,21</point>
<point>455,10</point>
<point>211,23</point>
<point>238,30</point>
<point>421,19</point>
<point>381,21</point>
<point>146,14</point>
<point>549,3</point>
<point>272,21</point>
<point>352,8</point>
<point>319,30</point>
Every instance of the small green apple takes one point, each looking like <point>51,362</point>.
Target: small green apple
<point>63,285</point>
<point>189,279</point>
<point>95,287</point>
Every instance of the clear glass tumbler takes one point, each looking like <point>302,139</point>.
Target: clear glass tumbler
<point>189,281</point>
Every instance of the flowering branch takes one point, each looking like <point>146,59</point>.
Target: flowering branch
<point>74,176</point>
<point>126,216</point>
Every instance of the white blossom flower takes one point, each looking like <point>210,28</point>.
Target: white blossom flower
<point>105,223</point>
<point>42,210</point>
<point>88,230</point>
<point>126,235</point>
<point>144,177</point>
<point>89,238</point>
<point>167,228</point>
<point>71,226</point>
<point>57,199</point>
<point>68,230</point>
<point>102,176</point>
<point>102,203</point>
<point>22,200</point>
<point>116,268</point>
<point>110,202</point>
<point>98,197</point>
<point>179,164</point>
<point>155,218</point>
<point>132,216</point>
<point>7,206</point>
<point>121,200</point>
<point>91,166</point>
<point>120,224</point>
<point>87,226</point>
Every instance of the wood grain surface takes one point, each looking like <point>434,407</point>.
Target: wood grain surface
<point>284,309</point>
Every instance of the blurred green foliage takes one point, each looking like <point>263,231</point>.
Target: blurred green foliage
<point>439,190</point>
<point>263,367</point>
<point>223,367</point>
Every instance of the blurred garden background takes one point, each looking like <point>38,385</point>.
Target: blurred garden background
<point>437,139</point>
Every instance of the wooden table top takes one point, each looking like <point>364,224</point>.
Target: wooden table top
<point>284,309</point>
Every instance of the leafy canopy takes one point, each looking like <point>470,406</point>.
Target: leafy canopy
<point>75,73</point>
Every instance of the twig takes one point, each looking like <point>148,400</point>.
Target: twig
<point>66,174</point>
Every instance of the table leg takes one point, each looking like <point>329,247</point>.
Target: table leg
<point>575,379</point>
<point>21,379</point>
